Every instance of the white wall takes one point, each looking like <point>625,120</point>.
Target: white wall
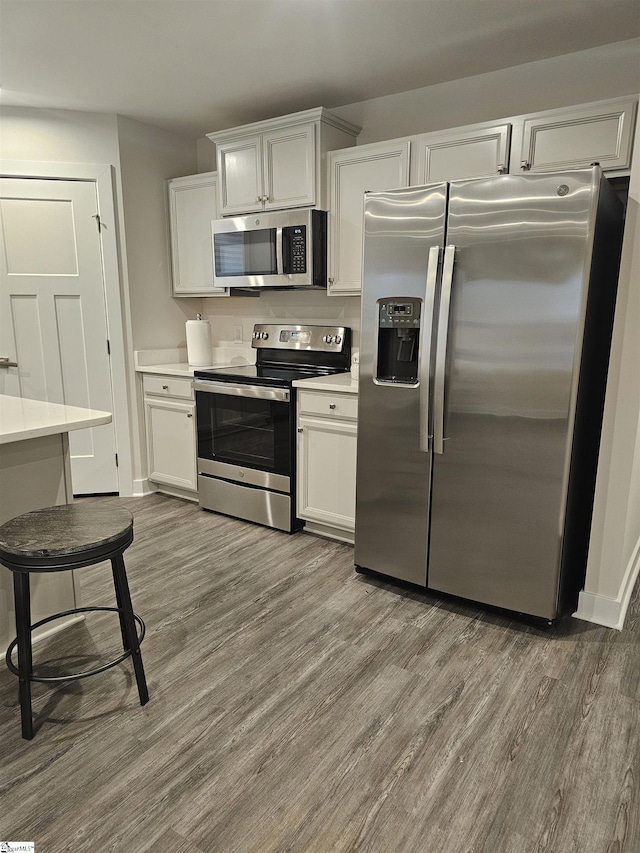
<point>589,75</point>
<point>227,314</point>
<point>60,135</point>
<point>148,156</point>
<point>614,557</point>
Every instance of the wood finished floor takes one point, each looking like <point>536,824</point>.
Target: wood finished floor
<point>298,706</point>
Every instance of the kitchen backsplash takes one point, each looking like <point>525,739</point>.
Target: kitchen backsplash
<point>232,319</point>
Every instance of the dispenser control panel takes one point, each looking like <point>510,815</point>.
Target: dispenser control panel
<point>398,340</point>
<point>399,314</point>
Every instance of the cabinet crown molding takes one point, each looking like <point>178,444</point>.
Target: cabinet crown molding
<point>317,114</point>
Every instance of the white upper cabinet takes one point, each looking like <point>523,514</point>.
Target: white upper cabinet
<point>192,206</point>
<point>570,138</point>
<point>277,164</point>
<point>271,171</point>
<point>288,167</point>
<point>352,172</point>
<point>240,169</point>
<point>474,152</point>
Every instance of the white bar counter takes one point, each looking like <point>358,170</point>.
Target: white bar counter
<point>35,472</point>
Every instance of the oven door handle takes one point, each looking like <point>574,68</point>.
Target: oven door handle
<point>260,392</point>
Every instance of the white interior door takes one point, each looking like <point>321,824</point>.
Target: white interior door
<point>52,312</point>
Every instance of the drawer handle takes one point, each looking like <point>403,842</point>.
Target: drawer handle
<point>165,387</point>
<point>332,405</point>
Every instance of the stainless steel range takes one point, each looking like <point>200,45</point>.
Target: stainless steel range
<point>246,420</point>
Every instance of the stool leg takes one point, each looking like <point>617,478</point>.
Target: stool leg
<point>22,598</point>
<point>124,598</point>
<point>123,629</point>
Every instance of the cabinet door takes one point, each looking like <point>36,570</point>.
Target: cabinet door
<point>573,138</point>
<point>240,175</point>
<point>455,155</point>
<point>352,172</point>
<point>171,443</point>
<point>289,163</point>
<point>327,472</point>
<point>192,206</point>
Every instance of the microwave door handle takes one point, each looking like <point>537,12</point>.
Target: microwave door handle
<point>279,250</point>
<point>425,347</point>
<point>441,350</point>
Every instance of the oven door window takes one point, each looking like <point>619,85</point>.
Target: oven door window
<point>242,253</point>
<point>244,431</point>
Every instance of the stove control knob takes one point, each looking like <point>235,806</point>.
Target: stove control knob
<point>264,335</point>
<point>326,339</point>
<point>337,339</point>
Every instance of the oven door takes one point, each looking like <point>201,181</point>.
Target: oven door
<point>245,433</point>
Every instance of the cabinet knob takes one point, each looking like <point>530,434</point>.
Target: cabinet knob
<point>300,429</point>
<point>165,387</point>
<point>330,280</point>
<point>332,405</point>
<point>189,414</point>
<point>501,169</point>
<point>525,164</point>
<point>258,198</point>
<point>265,198</point>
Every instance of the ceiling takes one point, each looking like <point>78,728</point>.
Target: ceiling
<point>196,66</point>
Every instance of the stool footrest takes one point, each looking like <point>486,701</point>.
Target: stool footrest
<point>75,676</point>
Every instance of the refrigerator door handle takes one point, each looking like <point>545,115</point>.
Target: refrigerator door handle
<point>425,347</point>
<point>441,350</point>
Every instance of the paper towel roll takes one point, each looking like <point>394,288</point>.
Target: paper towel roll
<point>198,343</point>
<point>355,364</point>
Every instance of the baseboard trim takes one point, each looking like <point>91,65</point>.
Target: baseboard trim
<point>610,612</point>
<point>329,532</point>
<point>142,488</point>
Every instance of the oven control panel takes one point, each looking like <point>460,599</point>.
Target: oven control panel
<point>300,337</point>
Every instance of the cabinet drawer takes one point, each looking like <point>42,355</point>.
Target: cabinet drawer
<point>168,386</point>
<point>328,404</point>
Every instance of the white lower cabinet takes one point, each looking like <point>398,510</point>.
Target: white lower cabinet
<point>327,432</point>
<point>169,410</point>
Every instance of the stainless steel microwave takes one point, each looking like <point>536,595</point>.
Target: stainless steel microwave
<point>286,248</point>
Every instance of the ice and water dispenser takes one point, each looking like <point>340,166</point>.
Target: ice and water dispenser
<point>398,340</point>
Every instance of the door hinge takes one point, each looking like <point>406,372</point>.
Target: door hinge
<point>96,216</point>
<point>116,460</point>
<point>108,347</point>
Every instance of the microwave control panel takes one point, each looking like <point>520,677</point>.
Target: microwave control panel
<point>294,245</point>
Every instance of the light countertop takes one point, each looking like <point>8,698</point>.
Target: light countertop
<point>180,368</point>
<point>21,419</point>
<point>341,382</point>
<point>173,362</point>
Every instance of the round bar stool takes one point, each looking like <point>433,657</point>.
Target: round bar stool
<point>59,539</point>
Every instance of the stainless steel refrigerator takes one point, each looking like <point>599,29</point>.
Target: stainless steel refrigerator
<point>487,309</point>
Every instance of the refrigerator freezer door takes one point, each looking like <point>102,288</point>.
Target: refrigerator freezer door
<point>393,473</point>
<point>515,330</point>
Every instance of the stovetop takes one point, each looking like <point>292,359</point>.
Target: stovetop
<point>265,374</point>
<point>286,352</point>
